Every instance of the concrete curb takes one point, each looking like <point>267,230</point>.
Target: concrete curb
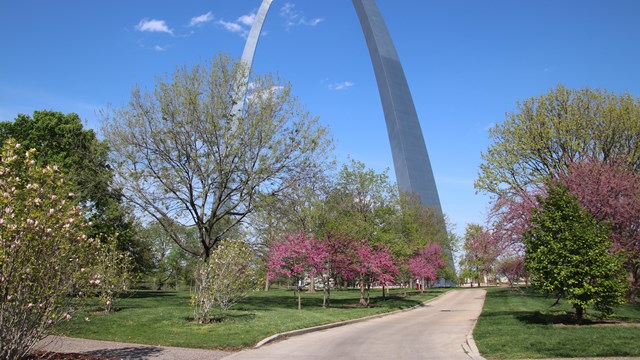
<point>470,346</point>
<point>291,333</point>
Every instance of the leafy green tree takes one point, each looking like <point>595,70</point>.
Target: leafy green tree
<point>60,139</point>
<point>45,253</point>
<point>184,156</point>
<point>548,132</point>
<point>360,204</point>
<point>568,254</point>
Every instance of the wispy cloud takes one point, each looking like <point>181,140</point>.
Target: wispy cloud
<point>201,19</point>
<point>341,86</point>
<point>241,25</point>
<point>295,18</point>
<point>160,47</point>
<point>153,25</point>
<point>233,27</point>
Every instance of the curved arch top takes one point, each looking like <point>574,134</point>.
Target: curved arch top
<point>408,149</point>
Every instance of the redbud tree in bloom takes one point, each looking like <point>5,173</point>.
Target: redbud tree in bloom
<point>296,256</point>
<point>372,264</point>
<point>426,263</point>
<point>44,252</point>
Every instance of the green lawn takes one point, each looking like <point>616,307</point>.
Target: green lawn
<point>163,317</point>
<point>521,323</point>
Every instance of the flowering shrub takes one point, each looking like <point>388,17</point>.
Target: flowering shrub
<point>228,276</point>
<point>45,255</point>
<point>112,274</point>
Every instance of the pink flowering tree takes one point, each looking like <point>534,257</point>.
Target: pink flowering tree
<point>296,256</point>
<point>426,263</point>
<point>372,264</point>
<point>513,269</point>
<point>339,262</point>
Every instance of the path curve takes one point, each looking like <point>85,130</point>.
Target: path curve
<point>438,330</point>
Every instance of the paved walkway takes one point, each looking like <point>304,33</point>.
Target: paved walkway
<point>437,330</point>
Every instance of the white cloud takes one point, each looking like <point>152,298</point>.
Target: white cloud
<point>201,19</point>
<point>153,25</point>
<point>241,26</point>
<point>341,86</point>
<point>232,26</point>
<point>247,19</point>
<point>160,48</point>
<point>296,18</point>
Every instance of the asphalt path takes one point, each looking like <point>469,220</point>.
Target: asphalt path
<point>438,330</point>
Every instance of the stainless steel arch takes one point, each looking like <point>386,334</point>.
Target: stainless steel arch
<point>410,158</point>
<point>250,49</point>
<point>409,151</point>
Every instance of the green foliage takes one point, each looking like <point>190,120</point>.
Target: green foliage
<point>568,254</point>
<point>360,204</point>
<point>44,251</point>
<point>60,139</point>
<point>548,132</point>
<point>229,275</point>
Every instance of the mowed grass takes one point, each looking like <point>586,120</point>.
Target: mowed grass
<point>521,323</point>
<point>164,317</point>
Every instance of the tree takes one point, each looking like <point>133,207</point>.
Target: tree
<point>482,250</point>
<point>372,264</point>
<point>44,252</point>
<point>184,156</point>
<point>296,256</point>
<point>339,262</point>
<point>360,204</point>
<point>513,268</point>
<point>567,254</point>
<point>549,132</point>
<point>426,263</point>
<point>611,193</point>
<point>60,139</point>
<point>228,276</point>
<point>414,226</point>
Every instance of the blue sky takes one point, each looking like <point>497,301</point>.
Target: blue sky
<point>467,62</point>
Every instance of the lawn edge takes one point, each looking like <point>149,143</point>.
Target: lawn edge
<point>470,346</point>
<point>291,333</point>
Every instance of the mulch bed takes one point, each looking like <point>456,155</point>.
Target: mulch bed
<point>41,355</point>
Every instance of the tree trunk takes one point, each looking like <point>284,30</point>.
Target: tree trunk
<point>384,297</point>
<point>579,313</point>
<point>267,284</point>
<point>363,302</point>
<point>312,283</point>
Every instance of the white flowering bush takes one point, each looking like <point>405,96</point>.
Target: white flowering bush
<point>45,256</point>
<point>228,276</point>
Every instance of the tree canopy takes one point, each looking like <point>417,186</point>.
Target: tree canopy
<point>61,140</point>
<point>184,156</point>
<point>548,132</point>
